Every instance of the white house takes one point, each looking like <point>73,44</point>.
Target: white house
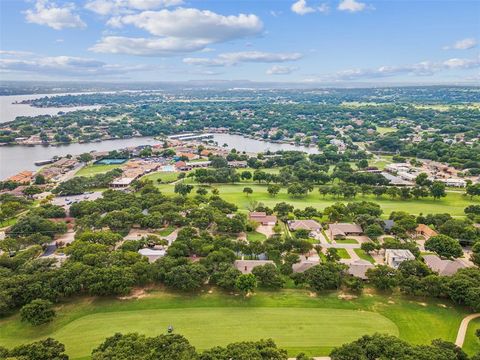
<point>394,257</point>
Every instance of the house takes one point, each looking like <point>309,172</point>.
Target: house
<point>22,177</point>
<point>121,183</point>
<point>310,225</point>
<point>394,257</point>
<point>444,267</point>
<point>303,266</point>
<point>341,230</point>
<point>246,266</point>
<point>425,231</point>
<point>152,254</point>
<point>359,268</point>
<point>237,164</point>
<point>262,218</point>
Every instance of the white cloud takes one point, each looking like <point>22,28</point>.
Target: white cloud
<point>194,24</point>
<point>424,68</point>
<point>61,66</point>
<point>301,7</point>
<point>108,7</point>
<point>280,70</point>
<point>463,44</point>
<point>147,46</point>
<point>55,16</point>
<point>178,31</point>
<point>351,6</point>
<point>233,58</point>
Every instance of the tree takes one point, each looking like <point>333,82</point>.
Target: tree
<point>85,157</point>
<point>202,191</point>
<point>475,257</point>
<point>268,276</point>
<point>246,175</point>
<point>247,190</point>
<point>326,276</point>
<point>258,350</point>
<point>382,277</point>
<point>37,312</point>
<point>40,179</point>
<point>183,189</point>
<point>135,346</point>
<point>379,346</point>
<point>437,190</point>
<point>422,180</point>
<point>48,349</point>
<point>246,283</point>
<point>273,190</point>
<point>373,231</point>
<point>444,246</point>
<point>186,277</point>
<point>332,255</point>
<point>370,246</point>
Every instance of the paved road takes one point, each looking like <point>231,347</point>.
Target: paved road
<point>463,328</point>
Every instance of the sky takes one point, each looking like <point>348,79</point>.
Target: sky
<point>304,41</point>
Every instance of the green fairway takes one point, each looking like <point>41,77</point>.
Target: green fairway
<point>472,343</point>
<point>93,169</point>
<point>293,318</point>
<point>453,204</point>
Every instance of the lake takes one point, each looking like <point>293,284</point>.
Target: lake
<point>14,159</point>
<point>9,110</point>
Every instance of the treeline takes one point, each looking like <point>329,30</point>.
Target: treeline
<point>176,347</point>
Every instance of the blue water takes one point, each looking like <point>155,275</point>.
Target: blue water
<point>168,168</point>
<point>110,161</point>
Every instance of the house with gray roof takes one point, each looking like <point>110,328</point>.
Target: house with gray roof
<point>444,267</point>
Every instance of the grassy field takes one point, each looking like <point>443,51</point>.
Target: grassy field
<point>343,253</point>
<point>295,319</point>
<point>255,236</point>
<point>93,169</point>
<point>453,204</point>
<point>165,176</point>
<point>472,343</point>
<point>363,255</point>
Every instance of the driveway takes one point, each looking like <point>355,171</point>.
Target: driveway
<point>266,230</point>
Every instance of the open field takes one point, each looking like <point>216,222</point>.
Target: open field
<point>454,203</point>
<point>93,169</point>
<point>293,318</point>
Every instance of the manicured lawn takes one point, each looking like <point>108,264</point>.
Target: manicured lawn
<point>453,203</point>
<point>255,236</point>
<point>363,255</point>
<point>343,253</point>
<point>93,169</point>
<point>293,318</point>
<point>472,343</point>
<point>164,176</point>
<point>346,241</point>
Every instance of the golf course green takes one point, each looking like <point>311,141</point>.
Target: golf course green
<point>296,319</point>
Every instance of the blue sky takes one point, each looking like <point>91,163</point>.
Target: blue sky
<point>337,41</point>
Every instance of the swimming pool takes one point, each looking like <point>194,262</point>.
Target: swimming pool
<point>167,168</point>
<point>110,161</point>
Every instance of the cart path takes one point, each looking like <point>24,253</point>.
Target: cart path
<point>463,328</point>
